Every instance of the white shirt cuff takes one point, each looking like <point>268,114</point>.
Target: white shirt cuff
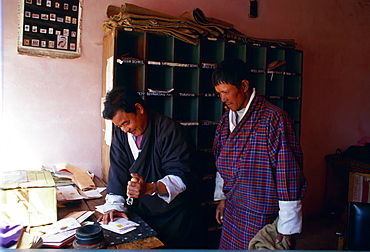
<point>174,186</point>
<point>290,217</point>
<point>114,202</point>
<point>219,194</point>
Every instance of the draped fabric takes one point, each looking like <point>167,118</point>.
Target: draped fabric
<point>189,27</point>
<point>166,149</point>
<point>261,164</point>
<point>265,239</point>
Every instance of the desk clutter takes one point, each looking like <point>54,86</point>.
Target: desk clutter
<point>31,201</point>
<point>30,197</point>
<point>74,229</point>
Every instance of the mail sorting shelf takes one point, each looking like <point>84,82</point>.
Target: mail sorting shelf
<point>157,62</point>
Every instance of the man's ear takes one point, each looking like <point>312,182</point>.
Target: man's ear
<point>245,85</point>
<point>139,108</point>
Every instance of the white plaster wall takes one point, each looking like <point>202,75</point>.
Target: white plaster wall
<point>51,107</point>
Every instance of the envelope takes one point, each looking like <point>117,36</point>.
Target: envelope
<point>81,177</point>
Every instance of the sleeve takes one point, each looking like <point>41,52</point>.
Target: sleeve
<point>177,158</point>
<point>114,202</point>
<point>219,194</point>
<point>287,159</point>
<point>290,217</point>
<point>174,186</point>
<point>120,159</point>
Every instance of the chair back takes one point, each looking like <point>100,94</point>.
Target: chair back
<point>358,226</point>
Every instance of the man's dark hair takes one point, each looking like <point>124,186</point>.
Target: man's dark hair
<point>231,71</point>
<point>121,98</point>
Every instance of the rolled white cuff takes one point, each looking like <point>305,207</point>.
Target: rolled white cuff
<point>290,217</point>
<point>114,202</point>
<point>174,186</point>
<point>219,194</point>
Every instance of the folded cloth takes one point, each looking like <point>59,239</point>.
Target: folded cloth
<point>188,27</point>
<point>265,239</point>
<point>220,27</point>
<point>195,20</point>
<point>138,18</point>
<point>134,9</point>
<point>177,30</point>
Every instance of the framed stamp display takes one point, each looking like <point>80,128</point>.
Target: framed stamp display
<point>50,28</point>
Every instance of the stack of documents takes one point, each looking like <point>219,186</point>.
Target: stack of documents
<point>60,233</point>
<point>70,193</point>
<point>63,231</point>
<point>59,239</point>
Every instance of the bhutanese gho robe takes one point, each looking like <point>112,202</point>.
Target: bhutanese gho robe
<point>166,149</point>
<point>261,164</point>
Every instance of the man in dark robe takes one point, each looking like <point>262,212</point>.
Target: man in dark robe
<point>161,165</point>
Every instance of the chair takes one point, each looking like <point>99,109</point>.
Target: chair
<point>357,227</point>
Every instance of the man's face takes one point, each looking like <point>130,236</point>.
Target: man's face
<point>135,124</point>
<point>234,98</point>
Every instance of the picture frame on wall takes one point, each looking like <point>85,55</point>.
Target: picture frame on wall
<point>50,28</point>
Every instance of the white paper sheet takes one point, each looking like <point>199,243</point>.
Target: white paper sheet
<point>120,225</point>
<point>93,194</point>
<point>69,193</point>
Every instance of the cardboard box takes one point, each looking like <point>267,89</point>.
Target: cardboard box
<point>359,187</point>
<point>28,198</point>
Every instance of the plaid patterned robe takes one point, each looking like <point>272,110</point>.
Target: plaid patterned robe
<point>261,163</point>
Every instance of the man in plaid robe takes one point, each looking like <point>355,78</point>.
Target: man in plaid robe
<point>259,162</point>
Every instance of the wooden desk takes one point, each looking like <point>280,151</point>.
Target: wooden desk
<point>89,205</point>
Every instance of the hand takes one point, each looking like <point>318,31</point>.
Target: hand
<point>136,189</point>
<point>220,211</point>
<point>289,239</point>
<point>109,216</point>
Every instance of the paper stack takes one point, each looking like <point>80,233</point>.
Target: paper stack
<point>60,233</point>
<point>59,239</point>
<point>71,193</point>
<point>63,231</point>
